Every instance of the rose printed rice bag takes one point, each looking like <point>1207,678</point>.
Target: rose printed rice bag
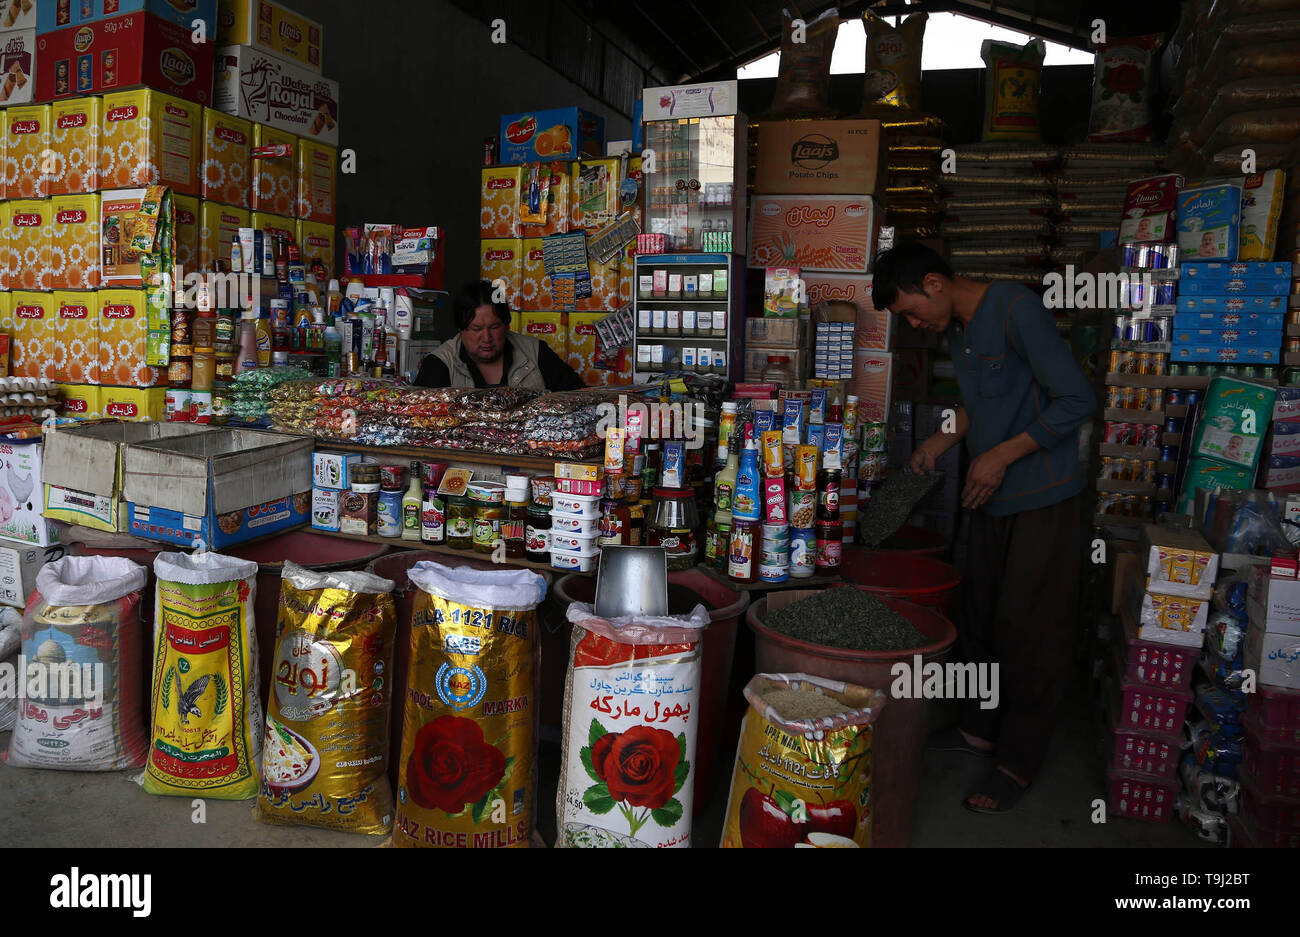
<point>470,722</point>
<point>80,661</point>
<point>803,765</point>
<point>631,714</point>
<point>325,750</point>
<point>1121,91</point>
<point>206,724</point>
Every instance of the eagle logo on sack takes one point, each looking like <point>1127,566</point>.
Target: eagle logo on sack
<point>460,688</point>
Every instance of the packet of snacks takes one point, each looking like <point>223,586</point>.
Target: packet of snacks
<point>803,765</point>
<point>467,769</point>
<point>206,722</point>
<point>325,750</point>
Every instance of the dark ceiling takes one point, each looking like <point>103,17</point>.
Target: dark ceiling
<point>614,48</point>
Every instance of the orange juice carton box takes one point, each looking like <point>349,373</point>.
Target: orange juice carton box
<point>226,173</point>
<point>150,138</point>
<point>27,139</point>
<point>547,326</point>
<point>76,336</point>
<point>274,175</point>
<point>218,226</point>
<point>75,126</point>
<point>74,242</point>
<point>185,233</point>
<point>559,133</point>
<point>316,241</point>
<point>502,259</point>
<point>816,233</point>
<point>318,166</point>
<point>124,339</point>
<point>593,198</point>
<point>80,401</point>
<point>33,334</point>
<point>272,27</point>
<point>500,197</point>
<point>535,289</point>
<point>30,230</point>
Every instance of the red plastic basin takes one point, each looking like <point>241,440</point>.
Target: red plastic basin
<point>912,577</point>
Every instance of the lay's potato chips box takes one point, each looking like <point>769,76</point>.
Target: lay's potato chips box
<point>75,126</point>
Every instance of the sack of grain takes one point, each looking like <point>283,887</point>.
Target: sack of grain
<point>469,728</point>
<point>631,712</point>
<point>893,75</point>
<point>206,723</point>
<point>81,650</point>
<point>325,750</point>
<point>1011,81</point>
<point>803,79</point>
<point>1121,90</point>
<point>803,765</point>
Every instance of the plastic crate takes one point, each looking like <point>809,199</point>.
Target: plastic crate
<point>1277,712</point>
<point>1268,814</point>
<point>1147,709</point>
<point>1141,796</point>
<point>1156,755</point>
<point>1274,767</point>
<point>1153,663</point>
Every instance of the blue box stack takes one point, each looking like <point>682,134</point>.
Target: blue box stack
<point>1231,313</point>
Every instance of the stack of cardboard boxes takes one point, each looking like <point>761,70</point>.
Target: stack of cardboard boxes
<point>122,92</point>
<point>1231,312</point>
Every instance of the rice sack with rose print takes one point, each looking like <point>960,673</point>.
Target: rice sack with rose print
<point>467,770</point>
<point>803,765</point>
<point>631,708</point>
<point>206,727</point>
<point>325,751</point>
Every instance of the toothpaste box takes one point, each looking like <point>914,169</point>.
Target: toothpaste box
<point>1261,212</point>
<point>1224,272</point>
<point>1219,305</point>
<point>1272,321</point>
<point>1209,221</point>
<point>1266,338</point>
<point>566,133</point>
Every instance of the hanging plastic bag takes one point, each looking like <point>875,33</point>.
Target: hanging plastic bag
<point>803,82</point>
<point>467,770</point>
<point>325,750</point>
<point>893,74</point>
<point>631,714</point>
<point>206,723</point>
<point>1011,85</point>
<point>81,654</point>
<point>1121,90</point>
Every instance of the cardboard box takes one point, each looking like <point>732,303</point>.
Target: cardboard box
<point>82,471</point>
<point>1275,658</point>
<point>185,236</point>
<point>27,138</point>
<point>218,225</point>
<point>776,333</point>
<point>1197,321</point>
<point>76,340</point>
<point>1178,562</point>
<point>820,157</point>
<point>1265,338</point>
<point>535,283</point>
<point>264,88</point>
<point>120,261</point>
<point>1273,602</point>
<point>23,14</point>
<point>560,209</point>
<point>274,225</point>
<point>226,174</point>
<point>502,258</point>
<point>873,373</point>
<point>333,469</point>
<point>318,166</point>
<point>222,487</point>
<point>562,133</point>
<point>19,565</point>
<point>1205,275</point>
<point>547,326</point>
<point>20,490</point>
<point>1287,405</point>
<point>134,50</point>
<point>150,138</point>
<point>80,401</point>
<point>123,340</point>
<point>273,28</point>
<point>912,373</point>
<point>17,65</point>
<point>74,242</point>
<point>830,233</point>
<point>62,13</point>
<point>1225,305</point>
<point>30,233</point>
<point>325,508</point>
<point>134,404</point>
<point>593,193</point>
<point>275,183</point>
<point>500,190</point>
<point>33,336</point>
<point>6,247</point>
<point>316,240</point>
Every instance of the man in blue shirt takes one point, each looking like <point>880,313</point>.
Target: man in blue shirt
<point>1023,401</point>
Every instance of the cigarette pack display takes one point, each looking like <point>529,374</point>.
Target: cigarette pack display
<point>33,334</point>
<point>274,177</point>
<point>593,196</point>
<point>316,240</point>
<point>218,224</point>
<point>1209,221</point>
<point>273,28</point>
<point>60,14</point>
<point>75,342</point>
<point>817,233</point>
<point>604,286</point>
<point>502,259</point>
<point>565,133</point>
<point>27,140</point>
<point>17,64</point>
<point>150,138</point>
<point>262,87</point>
<point>821,157</point>
<point>318,165</point>
<point>226,173</point>
<point>74,239</point>
<point>29,231</point>
<point>75,126</point>
<point>132,50</point>
<point>123,339</point>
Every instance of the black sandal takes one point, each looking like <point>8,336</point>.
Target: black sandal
<point>1000,788</point>
<point>951,740</point>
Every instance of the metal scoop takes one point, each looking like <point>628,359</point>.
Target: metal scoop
<point>632,581</point>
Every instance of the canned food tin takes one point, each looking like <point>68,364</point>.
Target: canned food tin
<point>1157,398</point>
<point>1120,331</point>
<point>1141,398</point>
<point>1168,453</point>
<point>1173,396</point>
<point>1130,253</point>
<point>1174,424</point>
<point>773,573</point>
<point>1165,481</point>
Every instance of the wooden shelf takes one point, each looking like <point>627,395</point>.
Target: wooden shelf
<point>542,464</point>
<point>1152,417</point>
<point>1118,450</point>
<point>445,550</point>
<point>1118,379</point>
<point>1117,486</point>
<point>807,582</point>
<point>1293,330</point>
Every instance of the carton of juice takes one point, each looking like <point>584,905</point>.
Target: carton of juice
<point>226,175</point>
<point>499,200</point>
<point>150,138</point>
<point>29,242</point>
<point>27,138</point>
<point>274,177</point>
<point>74,238</point>
<point>74,145</point>
<point>33,334</point>
<point>76,337</point>
<point>502,259</point>
<point>218,225</point>
<point>123,339</point>
<point>318,166</point>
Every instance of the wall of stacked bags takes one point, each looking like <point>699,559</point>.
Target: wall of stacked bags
<point>71,298</point>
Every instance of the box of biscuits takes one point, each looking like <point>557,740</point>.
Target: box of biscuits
<point>265,88</point>
<point>17,67</point>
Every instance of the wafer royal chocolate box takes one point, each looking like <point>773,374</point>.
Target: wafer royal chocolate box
<point>17,67</point>
<point>267,89</point>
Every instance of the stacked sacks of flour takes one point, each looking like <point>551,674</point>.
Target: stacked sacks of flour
<point>1089,187</point>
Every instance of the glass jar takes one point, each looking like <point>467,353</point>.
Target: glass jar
<point>537,534</point>
<point>460,523</point>
<point>488,516</point>
<point>778,371</point>
<point>514,531</point>
<point>614,523</point>
<point>675,526</point>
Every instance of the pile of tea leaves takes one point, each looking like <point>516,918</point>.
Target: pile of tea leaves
<point>892,503</point>
<point>846,618</point>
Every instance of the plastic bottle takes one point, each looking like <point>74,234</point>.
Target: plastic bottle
<point>333,298</point>
<point>390,514</point>
<point>334,350</point>
<point>513,527</point>
<point>247,357</point>
<point>747,502</point>
<point>263,343</point>
<point>726,428</point>
<point>724,485</point>
<point>413,505</point>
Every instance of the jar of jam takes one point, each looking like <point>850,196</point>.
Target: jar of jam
<point>830,545</point>
<point>537,534</point>
<point>828,494</point>
<point>614,523</point>
<point>742,551</point>
<point>460,523</point>
<point>675,526</point>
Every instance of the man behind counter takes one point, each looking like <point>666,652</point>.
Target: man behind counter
<point>485,353</point>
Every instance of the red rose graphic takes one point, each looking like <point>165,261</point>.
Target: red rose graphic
<point>451,765</point>
<point>637,765</point>
<point>1124,79</point>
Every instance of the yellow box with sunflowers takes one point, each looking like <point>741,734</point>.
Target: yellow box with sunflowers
<point>74,145</point>
<point>75,341</point>
<point>134,404</point>
<point>27,140</point>
<point>226,173</point>
<point>29,234</point>
<point>535,286</point>
<point>124,339</point>
<point>185,235</point>
<point>150,138</point>
<point>275,178</point>
<point>80,401</point>
<point>547,326</point>
<point>502,259</point>
<point>218,225</point>
<point>33,334</point>
<point>316,241</point>
<point>273,224</point>
<point>318,166</point>
<point>500,195</point>
<point>75,259</point>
